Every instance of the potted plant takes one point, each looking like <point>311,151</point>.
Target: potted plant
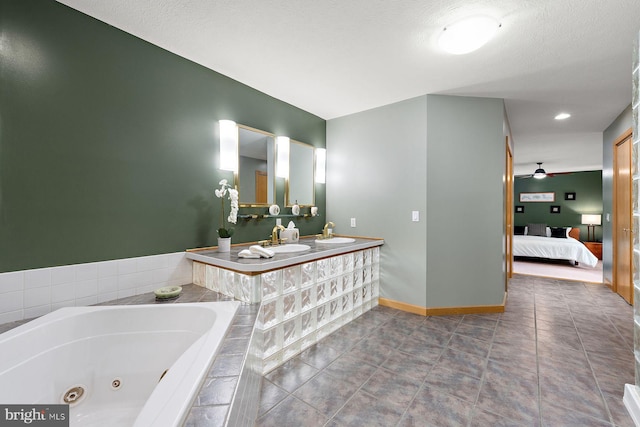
<point>224,234</point>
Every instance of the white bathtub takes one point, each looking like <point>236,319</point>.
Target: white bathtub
<point>117,354</point>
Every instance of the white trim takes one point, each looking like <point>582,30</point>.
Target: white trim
<point>631,401</point>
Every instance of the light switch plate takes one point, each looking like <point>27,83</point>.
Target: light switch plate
<point>415,216</point>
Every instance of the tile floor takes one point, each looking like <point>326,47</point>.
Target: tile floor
<point>559,356</point>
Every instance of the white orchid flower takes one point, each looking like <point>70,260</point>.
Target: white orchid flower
<point>233,198</point>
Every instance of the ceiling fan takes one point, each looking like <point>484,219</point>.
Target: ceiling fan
<point>540,173</point>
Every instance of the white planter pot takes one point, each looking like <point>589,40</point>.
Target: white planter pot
<point>224,244</point>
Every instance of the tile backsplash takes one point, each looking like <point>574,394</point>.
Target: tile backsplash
<point>31,293</point>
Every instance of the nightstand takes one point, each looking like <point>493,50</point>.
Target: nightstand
<point>595,248</point>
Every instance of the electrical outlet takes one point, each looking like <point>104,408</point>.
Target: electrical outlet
<point>353,222</point>
<point>278,221</point>
<point>415,216</point>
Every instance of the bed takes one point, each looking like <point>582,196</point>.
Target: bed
<point>561,248</point>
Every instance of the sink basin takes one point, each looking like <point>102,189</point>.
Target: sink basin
<point>335,240</point>
<point>289,248</point>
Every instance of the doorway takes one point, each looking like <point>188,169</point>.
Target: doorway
<point>622,217</point>
<point>508,216</point>
<point>261,187</point>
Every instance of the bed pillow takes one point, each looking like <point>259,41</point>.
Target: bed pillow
<point>518,230</point>
<point>559,232</point>
<point>537,230</point>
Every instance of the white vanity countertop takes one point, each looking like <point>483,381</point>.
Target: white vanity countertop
<point>231,261</point>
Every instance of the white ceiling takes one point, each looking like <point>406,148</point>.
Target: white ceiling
<point>334,58</point>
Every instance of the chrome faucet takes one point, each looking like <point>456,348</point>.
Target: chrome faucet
<point>274,234</point>
<point>326,234</point>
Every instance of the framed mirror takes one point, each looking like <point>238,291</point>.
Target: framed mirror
<point>256,167</point>
<point>301,185</point>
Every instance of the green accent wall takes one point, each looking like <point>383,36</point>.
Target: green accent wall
<point>109,144</point>
<point>588,189</point>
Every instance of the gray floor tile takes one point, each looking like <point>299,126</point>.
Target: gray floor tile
<point>326,393</point>
<point>319,355</point>
<point>409,365</point>
<point>553,416</point>
<point>564,345</point>
<point>292,374</point>
<point>619,414</point>
<point>510,393</point>
<point>292,412</point>
<point>448,323</point>
<point>469,345</point>
<point>482,418</point>
<point>454,383</point>
<point>386,385</point>
<point>434,408</point>
<point>414,345</point>
<point>365,410</point>
<point>371,350</point>
<point>464,363</point>
<point>475,332</point>
<point>351,369</point>
<point>270,396</point>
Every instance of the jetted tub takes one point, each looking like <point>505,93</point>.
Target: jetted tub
<point>109,362</point>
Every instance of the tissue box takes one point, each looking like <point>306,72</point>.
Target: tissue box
<point>291,234</point>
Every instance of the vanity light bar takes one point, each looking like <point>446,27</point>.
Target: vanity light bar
<point>228,145</point>
<point>282,156</point>
<point>321,164</point>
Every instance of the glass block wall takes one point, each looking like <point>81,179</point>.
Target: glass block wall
<point>303,303</point>
<point>636,211</point>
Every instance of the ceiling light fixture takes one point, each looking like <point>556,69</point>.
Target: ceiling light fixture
<point>539,173</point>
<point>468,35</point>
<point>562,116</point>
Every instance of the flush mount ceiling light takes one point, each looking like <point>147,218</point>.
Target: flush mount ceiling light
<point>562,116</point>
<point>468,35</point>
<point>539,173</point>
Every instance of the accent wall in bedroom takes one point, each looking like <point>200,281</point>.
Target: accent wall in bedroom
<point>587,187</point>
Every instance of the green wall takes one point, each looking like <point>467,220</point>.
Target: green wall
<point>588,189</point>
<point>376,173</point>
<point>419,155</point>
<point>465,201</point>
<point>108,144</point>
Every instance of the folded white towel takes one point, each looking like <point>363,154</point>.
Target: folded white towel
<point>263,252</point>
<point>246,253</point>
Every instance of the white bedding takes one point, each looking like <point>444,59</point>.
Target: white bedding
<point>553,248</point>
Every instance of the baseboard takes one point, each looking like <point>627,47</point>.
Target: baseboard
<point>608,283</point>
<point>444,311</point>
<point>410,308</point>
<point>631,401</point>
